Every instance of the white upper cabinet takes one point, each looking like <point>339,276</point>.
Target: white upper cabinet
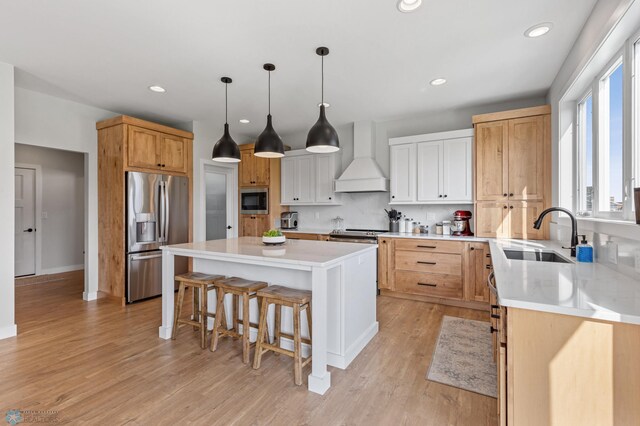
<point>432,169</point>
<point>403,173</point>
<point>309,179</point>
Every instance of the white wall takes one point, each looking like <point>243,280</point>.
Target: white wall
<point>7,111</point>
<point>366,210</point>
<point>62,230</point>
<point>51,122</point>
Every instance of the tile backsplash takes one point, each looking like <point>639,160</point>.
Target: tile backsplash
<point>366,211</point>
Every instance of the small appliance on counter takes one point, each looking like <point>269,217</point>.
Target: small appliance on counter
<point>289,220</point>
<point>461,226</point>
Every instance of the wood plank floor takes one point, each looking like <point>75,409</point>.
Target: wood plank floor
<point>100,363</point>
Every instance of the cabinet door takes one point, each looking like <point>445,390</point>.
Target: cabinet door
<point>246,171</point>
<point>287,177</point>
<point>456,170</point>
<point>526,158</point>
<point>492,219</point>
<point>173,153</point>
<point>492,160</point>
<point>143,148</point>
<point>384,256</point>
<point>248,225</point>
<point>305,179</point>
<point>325,177</point>
<point>478,271</point>
<point>263,224</point>
<point>522,215</point>
<point>429,169</point>
<point>260,170</point>
<point>403,173</point>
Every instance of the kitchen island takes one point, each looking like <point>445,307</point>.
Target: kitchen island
<point>341,276</point>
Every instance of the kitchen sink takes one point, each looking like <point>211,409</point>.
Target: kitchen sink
<point>536,256</point>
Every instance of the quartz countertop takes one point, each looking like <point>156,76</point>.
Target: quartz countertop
<point>586,290</point>
<point>297,252</point>
<point>434,237</point>
<point>307,231</point>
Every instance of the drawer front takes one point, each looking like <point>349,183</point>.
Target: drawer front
<point>434,285</point>
<point>437,263</point>
<point>455,247</point>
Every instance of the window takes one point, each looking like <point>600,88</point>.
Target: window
<point>610,142</point>
<point>585,156</point>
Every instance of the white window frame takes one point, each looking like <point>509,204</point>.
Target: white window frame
<point>580,153</point>
<point>629,55</point>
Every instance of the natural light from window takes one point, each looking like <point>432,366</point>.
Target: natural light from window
<point>611,145</point>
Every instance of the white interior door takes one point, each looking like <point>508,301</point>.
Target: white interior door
<point>220,203</point>
<point>25,220</point>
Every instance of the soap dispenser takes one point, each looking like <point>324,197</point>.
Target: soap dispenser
<point>584,251</point>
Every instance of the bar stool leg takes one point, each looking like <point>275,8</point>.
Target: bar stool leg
<point>177,311</point>
<point>262,326</point>
<point>220,315</point>
<point>297,353</point>
<point>203,317</point>
<point>308,309</point>
<point>196,306</point>
<point>276,328</point>
<point>236,311</point>
<point>246,328</point>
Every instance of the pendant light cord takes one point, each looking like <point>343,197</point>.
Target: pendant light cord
<point>322,96</point>
<point>226,104</point>
<point>269,92</point>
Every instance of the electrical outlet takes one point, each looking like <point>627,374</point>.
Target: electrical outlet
<point>612,252</point>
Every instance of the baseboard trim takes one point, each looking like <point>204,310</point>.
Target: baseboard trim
<point>61,269</point>
<point>481,306</point>
<point>89,295</point>
<point>356,347</point>
<point>8,331</point>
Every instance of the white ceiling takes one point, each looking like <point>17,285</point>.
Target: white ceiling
<point>106,54</point>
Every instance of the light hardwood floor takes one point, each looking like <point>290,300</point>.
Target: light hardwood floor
<point>100,363</point>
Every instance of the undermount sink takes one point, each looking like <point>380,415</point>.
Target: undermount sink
<point>536,256</point>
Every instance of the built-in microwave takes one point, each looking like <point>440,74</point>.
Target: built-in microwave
<point>254,201</point>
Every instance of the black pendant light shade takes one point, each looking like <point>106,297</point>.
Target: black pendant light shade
<point>226,149</point>
<point>269,143</point>
<point>322,137</point>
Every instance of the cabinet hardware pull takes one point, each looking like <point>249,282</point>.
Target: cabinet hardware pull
<point>428,284</point>
<point>489,255</point>
<point>493,330</point>
<point>393,196</point>
<point>488,266</point>
<point>425,263</point>
<point>430,247</point>
<point>159,165</point>
<point>440,196</point>
<point>164,165</point>
<point>504,207</point>
<point>445,195</point>
<point>472,248</point>
<point>504,195</point>
<point>495,306</point>
<point>511,207</point>
<point>511,195</point>
<point>495,316</point>
<point>329,197</point>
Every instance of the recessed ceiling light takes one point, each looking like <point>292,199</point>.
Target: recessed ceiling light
<point>407,6</point>
<point>538,30</point>
<point>244,121</point>
<point>326,104</point>
<point>438,82</point>
<point>157,89</point>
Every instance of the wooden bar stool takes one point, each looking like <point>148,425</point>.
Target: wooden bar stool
<point>298,300</point>
<point>239,288</point>
<point>201,284</point>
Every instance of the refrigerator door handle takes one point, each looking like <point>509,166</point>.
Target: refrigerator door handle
<point>143,257</point>
<point>166,211</point>
<point>162,237</point>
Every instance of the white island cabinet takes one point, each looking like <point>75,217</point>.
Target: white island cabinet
<point>341,276</point>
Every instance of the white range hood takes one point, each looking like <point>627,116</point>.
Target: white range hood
<point>363,174</point>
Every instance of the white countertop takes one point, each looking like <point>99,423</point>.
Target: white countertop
<point>580,289</point>
<point>308,231</point>
<point>296,252</point>
<point>434,237</point>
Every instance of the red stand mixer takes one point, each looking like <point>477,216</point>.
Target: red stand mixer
<point>461,226</point>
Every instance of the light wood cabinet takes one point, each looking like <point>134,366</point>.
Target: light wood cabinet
<point>130,144</point>
<point>149,150</point>
<point>513,172</point>
<point>254,225</point>
<point>309,179</point>
<point>437,271</point>
<point>253,171</point>
<point>432,169</point>
<point>305,236</point>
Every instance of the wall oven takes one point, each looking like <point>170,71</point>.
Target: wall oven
<point>254,201</point>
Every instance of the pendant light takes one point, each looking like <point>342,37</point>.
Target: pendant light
<point>226,149</point>
<point>269,144</point>
<point>322,137</point>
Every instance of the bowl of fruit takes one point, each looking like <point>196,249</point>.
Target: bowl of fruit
<point>273,237</point>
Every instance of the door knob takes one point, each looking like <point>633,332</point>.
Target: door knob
<point>28,230</point>
<point>229,227</point>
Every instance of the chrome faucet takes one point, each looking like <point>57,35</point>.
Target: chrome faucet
<point>574,226</point>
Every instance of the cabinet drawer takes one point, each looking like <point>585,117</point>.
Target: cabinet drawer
<point>429,245</point>
<point>435,285</point>
<point>438,263</point>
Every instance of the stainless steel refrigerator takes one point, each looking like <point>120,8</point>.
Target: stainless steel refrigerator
<point>157,214</point>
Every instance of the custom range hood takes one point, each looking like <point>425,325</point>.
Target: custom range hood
<point>363,174</point>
